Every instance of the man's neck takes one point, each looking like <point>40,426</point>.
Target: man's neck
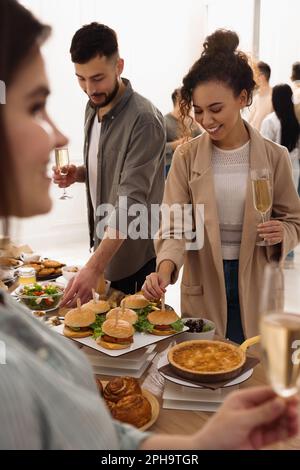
<point>264,89</point>
<point>106,109</point>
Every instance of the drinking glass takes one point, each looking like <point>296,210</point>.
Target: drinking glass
<point>62,163</point>
<point>280,335</point>
<point>262,200</point>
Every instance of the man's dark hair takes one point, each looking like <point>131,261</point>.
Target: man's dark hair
<point>265,69</point>
<point>295,71</point>
<point>93,40</point>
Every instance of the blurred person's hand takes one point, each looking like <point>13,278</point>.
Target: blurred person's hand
<point>251,419</point>
<point>248,419</point>
<point>64,181</point>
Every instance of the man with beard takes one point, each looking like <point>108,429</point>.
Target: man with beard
<point>124,165</point>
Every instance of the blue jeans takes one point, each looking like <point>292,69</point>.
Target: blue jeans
<point>234,330</point>
<point>167,168</point>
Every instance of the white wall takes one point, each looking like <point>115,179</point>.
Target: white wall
<point>279,30</point>
<point>236,15</point>
<point>280,43</point>
<point>159,41</point>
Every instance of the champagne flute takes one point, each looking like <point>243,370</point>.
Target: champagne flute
<point>62,163</point>
<point>261,196</point>
<point>280,336</point>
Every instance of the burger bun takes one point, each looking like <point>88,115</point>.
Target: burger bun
<point>128,315</point>
<point>69,333</point>
<point>112,346</point>
<point>80,317</point>
<point>162,317</point>
<point>121,329</point>
<point>98,307</point>
<point>135,301</point>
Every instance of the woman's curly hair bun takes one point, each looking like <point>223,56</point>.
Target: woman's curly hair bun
<point>221,41</point>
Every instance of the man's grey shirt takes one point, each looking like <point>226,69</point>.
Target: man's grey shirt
<point>130,163</point>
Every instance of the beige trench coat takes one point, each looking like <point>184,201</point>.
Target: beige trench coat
<point>191,180</point>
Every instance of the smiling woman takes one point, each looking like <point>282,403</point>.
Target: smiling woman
<point>222,280</point>
<point>227,85</point>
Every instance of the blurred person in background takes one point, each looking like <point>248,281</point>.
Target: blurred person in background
<point>262,101</point>
<point>49,398</point>
<point>175,129</point>
<point>295,77</point>
<point>282,127</point>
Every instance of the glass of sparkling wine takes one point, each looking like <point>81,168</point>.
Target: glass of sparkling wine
<point>280,336</point>
<point>62,161</point>
<point>262,199</point>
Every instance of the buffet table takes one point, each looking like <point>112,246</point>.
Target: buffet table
<point>172,421</point>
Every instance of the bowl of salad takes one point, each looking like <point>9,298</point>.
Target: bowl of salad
<point>41,296</point>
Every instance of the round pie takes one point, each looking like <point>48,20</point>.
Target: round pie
<point>206,360</point>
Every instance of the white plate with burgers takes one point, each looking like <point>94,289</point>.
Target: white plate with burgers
<point>119,337</point>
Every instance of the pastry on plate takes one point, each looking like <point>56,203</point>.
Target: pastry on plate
<point>133,409</point>
<point>120,387</point>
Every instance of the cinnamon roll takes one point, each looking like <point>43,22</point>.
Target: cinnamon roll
<point>121,387</point>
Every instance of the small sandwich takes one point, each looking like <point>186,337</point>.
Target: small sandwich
<point>122,314</point>
<point>78,323</point>
<point>116,334</point>
<point>138,303</point>
<point>99,307</point>
<point>164,322</point>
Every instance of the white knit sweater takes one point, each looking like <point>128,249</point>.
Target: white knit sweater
<point>231,169</point>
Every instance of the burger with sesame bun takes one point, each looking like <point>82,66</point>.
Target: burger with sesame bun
<point>116,334</point>
<point>118,313</point>
<point>164,322</point>
<point>78,322</point>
